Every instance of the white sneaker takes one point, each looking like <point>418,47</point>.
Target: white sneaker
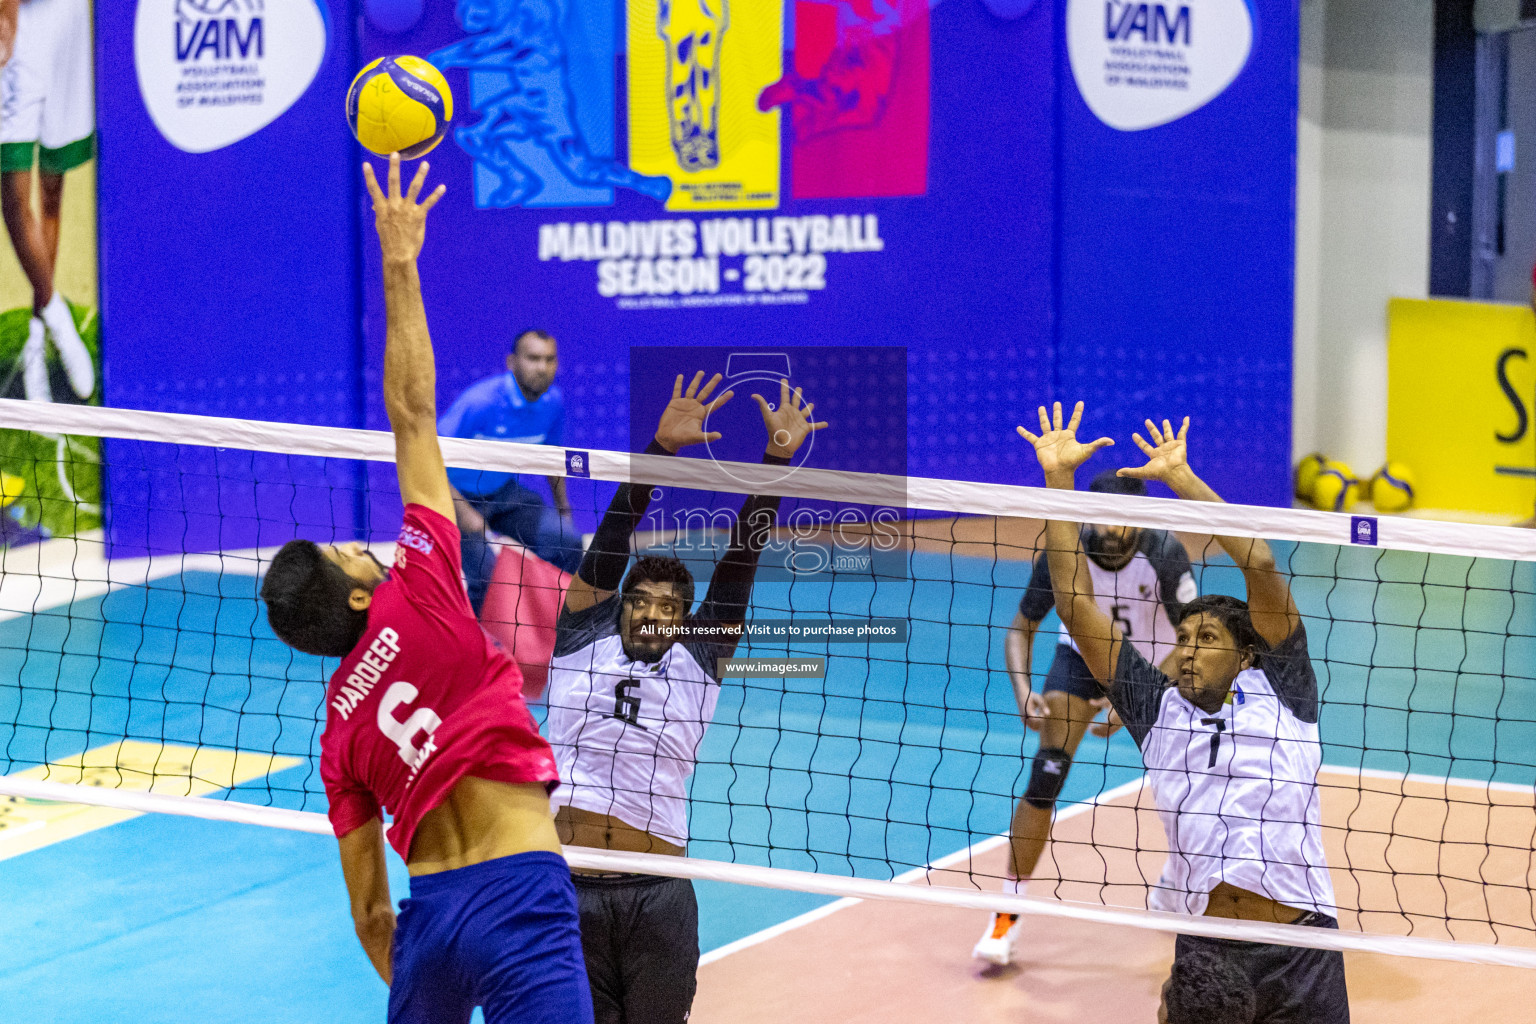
<point>72,351</point>
<point>996,945</point>
<point>34,364</point>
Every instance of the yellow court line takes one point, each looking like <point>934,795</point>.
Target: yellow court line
<point>171,769</point>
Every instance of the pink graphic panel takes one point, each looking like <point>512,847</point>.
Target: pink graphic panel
<point>857,99</point>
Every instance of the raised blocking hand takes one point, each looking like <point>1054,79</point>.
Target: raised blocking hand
<point>682,421</point>
<point>1057,446</point>
<point>789,423</point>
<point>1167,455</point>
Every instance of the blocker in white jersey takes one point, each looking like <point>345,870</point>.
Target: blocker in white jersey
<point>1236,787</point>
<point>1230,741</point>
<point>626,733</point>
<point>632,688</point>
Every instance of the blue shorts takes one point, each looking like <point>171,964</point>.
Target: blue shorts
<point>1069,673</point>
<point>503,935</point>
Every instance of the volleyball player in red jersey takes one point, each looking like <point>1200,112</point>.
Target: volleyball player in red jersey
<point>425,718</point>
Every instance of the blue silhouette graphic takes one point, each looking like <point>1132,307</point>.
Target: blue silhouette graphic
<point>535,144</point>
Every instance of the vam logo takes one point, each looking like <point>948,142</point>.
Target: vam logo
<point>213,72</point>
<point>1140,65</point>
<point>1151,23</point>
<point>200,31</point>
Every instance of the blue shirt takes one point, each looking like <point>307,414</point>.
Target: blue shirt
<point>495,408</point>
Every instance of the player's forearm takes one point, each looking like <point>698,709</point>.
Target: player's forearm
<point>410,376</point>
<point>469,517</point>
<point>1070,583</point>
<point>1019,652</point>
<point>562,499</point>
<point>730,588</point>
<point>608,555</point>
<point>1250,554</point>
<point>376,931</point>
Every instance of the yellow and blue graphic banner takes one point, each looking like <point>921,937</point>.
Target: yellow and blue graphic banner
<point>696,68</point>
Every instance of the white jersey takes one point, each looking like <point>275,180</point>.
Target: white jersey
<point>1129,596</point>
<point>626,733</point>
<point>1140,596</point>
<point>1236,790</point>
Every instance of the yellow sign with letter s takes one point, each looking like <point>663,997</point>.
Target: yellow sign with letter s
<point>1461,403</point>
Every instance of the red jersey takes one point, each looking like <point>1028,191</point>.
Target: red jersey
<point>425,698</point>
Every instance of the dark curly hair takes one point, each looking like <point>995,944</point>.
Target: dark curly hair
<point>661,569</point>
<point>306,596</point>
<point>1231,613</point>
<point>1206,987</point>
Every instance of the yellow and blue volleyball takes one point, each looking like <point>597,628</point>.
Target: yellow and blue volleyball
<point>399,105</point>
<point>1336,488</point>
<point>1306,474</point>
<point>1392,488</point>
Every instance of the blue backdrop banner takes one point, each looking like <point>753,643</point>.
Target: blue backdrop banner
<point>1087,199</point>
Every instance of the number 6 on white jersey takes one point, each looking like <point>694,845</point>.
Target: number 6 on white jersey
<point>404,733</point>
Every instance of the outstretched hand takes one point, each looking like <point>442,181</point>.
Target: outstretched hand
<point>1057,446</point>
<point>789,423</point>
<point>1167,454</point>
<point>682,421</point>
<point>401,220</point>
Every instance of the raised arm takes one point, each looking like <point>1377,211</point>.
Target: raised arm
<point>602,568</point>
<point>410,376</point>
<point>1270,603</point>
<point>730,588</point>
<point>1098,639</point>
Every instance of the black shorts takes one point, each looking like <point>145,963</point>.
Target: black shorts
<point>1069,674</point>
<point>640,934</point>
<point>1293,985</point>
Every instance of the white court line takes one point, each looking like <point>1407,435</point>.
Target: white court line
<point>21,830</point>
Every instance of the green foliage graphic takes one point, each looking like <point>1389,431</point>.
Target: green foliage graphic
<point>60,476</point>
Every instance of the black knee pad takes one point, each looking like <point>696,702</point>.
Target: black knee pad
<point>1047,777</point>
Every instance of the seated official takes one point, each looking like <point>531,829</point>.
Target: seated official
<point>520,405</point>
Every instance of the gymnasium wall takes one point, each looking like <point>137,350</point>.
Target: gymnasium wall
<point>1047,224</point>
<point>1362,212</point>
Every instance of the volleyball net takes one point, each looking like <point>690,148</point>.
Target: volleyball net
<point>866,743</point>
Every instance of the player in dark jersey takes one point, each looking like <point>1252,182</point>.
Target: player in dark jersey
<point>1142,579</point>
<point>629,705</point>
<point>1231,744</point>
<point>425,720</point>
